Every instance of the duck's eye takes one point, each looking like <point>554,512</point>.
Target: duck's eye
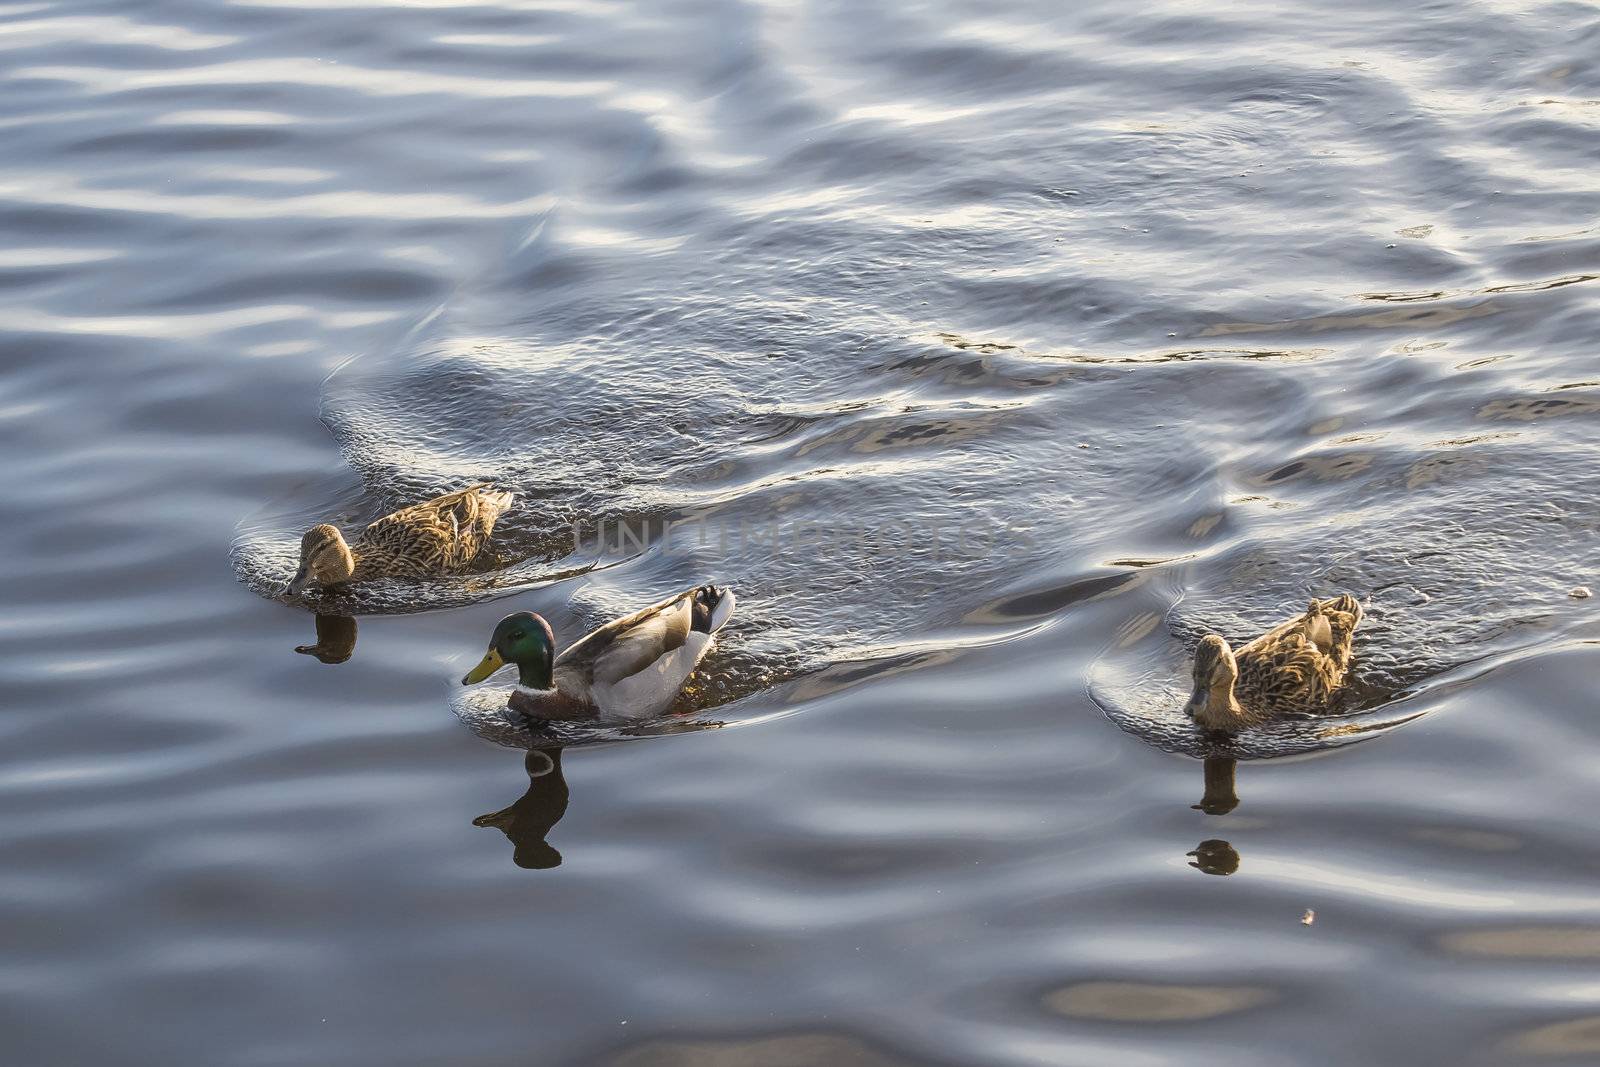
<point>516,635</point>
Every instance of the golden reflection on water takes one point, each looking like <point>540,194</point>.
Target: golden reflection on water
<point>1323,469</point>
<point>788,1050</point>
<point>1148,1002</point>
<point>1526,942</point>
<point>1529,408</point>
<point>1472,840</point>
<point>1543,285</point>
<point>1430,470</point>
<point>530,818</point>
<point>1571,1038</point>
<point>1433,318</point>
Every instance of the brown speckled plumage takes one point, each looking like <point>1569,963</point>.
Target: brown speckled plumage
<point>434,537</point>
<point>437,536</point>
<point>1294,668</point>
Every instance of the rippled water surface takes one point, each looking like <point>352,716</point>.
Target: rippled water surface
<point>991,352</point>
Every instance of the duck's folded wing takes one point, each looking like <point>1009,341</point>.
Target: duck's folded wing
<point>637,650</point>
<point>1268,642</point>
<point>630,644</point>
<point>446,531</point>
<point>1290,668</point>
<point>408,542</point>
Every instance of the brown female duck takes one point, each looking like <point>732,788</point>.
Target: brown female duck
<point>434,537</point>
<point>1295,667</point>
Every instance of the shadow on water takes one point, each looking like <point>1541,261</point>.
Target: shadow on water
<point>336,639</point>
<point>1215,856</point>
<point>528,820</point>
<point>1221,795</point>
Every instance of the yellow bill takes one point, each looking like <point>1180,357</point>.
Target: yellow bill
<point>490,663</point>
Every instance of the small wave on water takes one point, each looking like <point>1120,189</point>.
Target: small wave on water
<point>849,524</point>
<point>911,487</point>
<point>796,345</point>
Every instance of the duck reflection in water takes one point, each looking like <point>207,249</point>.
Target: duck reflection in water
<point>1221,796</point>
<point>1216,856</point>
<point>534,814</point>
<point>336,639</point>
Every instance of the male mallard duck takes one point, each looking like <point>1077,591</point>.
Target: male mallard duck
<point>434,537</point>
<point>628,669</point>
<point>1294,667</point>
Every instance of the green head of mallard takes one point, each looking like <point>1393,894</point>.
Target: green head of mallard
<point>1212,705</point>
<point>526,640</point>
<point>324,559</point>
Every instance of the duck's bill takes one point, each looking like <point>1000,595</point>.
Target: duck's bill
<point>298,583</point>
<point>490,663</point>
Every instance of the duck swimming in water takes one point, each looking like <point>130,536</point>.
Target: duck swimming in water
<point>1296,667</point>
<point>434,537</point>
<point>631,668</point>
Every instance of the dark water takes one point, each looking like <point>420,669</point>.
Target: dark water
<point>991,354</point>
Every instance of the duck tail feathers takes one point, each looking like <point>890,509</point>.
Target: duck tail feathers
<point>1347,604</point>
<point>713,606</point>
<point>496,498</point>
